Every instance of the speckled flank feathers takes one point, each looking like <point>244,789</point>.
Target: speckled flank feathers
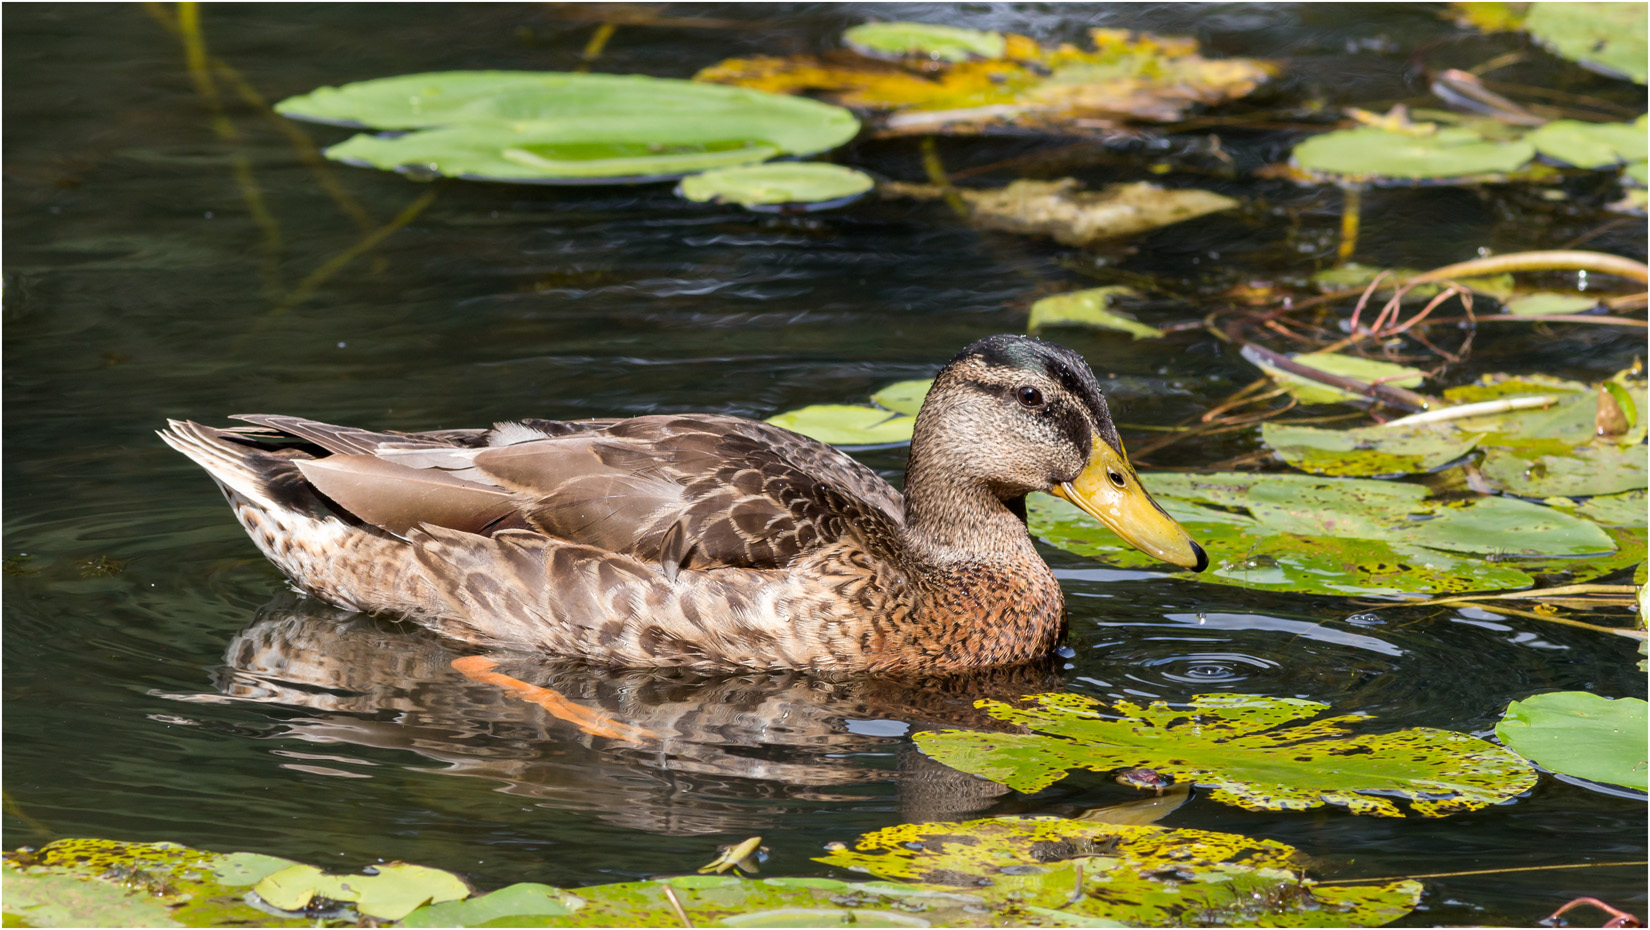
<point>704,541</point>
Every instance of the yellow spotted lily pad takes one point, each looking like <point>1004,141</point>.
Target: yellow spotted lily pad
<point>1251,751</point>
<point>1070,872</point>
<point>1369,450</point>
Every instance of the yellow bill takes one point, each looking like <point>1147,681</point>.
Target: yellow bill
<point>1108,490</point>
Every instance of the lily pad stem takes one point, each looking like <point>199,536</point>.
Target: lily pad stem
<point>1504,405</point>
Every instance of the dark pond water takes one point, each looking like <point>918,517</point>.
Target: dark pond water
<point>160,683</point>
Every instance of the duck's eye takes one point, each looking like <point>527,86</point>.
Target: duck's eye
<point>1116,479</point>
<point>1030,396</point>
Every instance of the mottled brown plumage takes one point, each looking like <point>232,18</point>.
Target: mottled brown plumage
<point>706,541</point>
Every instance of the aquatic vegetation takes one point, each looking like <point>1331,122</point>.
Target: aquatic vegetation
<point>1065,212</point>
<point>1060,871</point>
<point>549,127</point>
<point>984,873</point>
<point>1581,734</point>
<point>1373,154</point>
<point>1348,366</point>
<point>1367,450</point>
<point>1089,308</point>
<point>956,88</point>
<point>1251,751</point>
<point>924,40</point>
<point>801,185</point>
<point>890,421</point>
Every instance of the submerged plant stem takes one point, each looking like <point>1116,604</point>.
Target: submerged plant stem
<point>1351,213</point>
<point>935,168</point>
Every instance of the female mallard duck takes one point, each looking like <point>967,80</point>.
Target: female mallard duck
<point>700,540</point>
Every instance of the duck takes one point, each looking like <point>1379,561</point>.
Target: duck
<point>704,541</point>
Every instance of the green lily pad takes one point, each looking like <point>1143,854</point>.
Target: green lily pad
<point>904,40</point>
<point>1606,36</point>
<point>1626,509</point>
<point>1585,471</point>
<point>1638,171</point>
<point>848,425</point>
<point>1581,734</point>
<point>392,892</point>
<point>1590,145</point>
<point>903,396</point>
<point>1366,370</point>
<point>713,900</point>
<point>1089,308</point>
<point>1075,873</point>
<point>549,126</point>
<point>526,899</point>
<point>1369,450</point>
<point>1353,275</point>
<point>1553,430</point>
<point>1370,154</point>
<point>1544,303</point>
<point>778,184</point>
<point>93,882</point>
<point>1251,751</point>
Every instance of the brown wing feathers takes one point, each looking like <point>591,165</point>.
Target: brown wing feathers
<point>687,492</point>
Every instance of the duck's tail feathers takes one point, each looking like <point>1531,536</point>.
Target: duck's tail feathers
<point>266,478</point>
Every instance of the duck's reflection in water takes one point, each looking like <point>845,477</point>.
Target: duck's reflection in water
<point>720,754</point>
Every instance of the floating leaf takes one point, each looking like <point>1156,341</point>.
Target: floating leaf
<point>1543,303</point>
<point>1583,472</point>
<point>1490,17</point>
<point>1074,873</point>
<point>903,396</point>
<point>1369,154</point>
<point>1590,145</point>
<point>946,43</point>
<point>1581,734</point>
<point>713,900</point>
<point>1609,37</point>
<point>527,899</point>
<point>1615,509</point>
<point>778,184</point>
<point>1251,751</point>
<point>550,126</point>
<point>1368,450</point>
<point>1353,276</point>
<point>1366,370</point>
<point>847,425</point>
<point>1062,89</point>
<point>1072,216</point>
<point>392,892</point>
<point>1089,308</point>
<point>92,882</point>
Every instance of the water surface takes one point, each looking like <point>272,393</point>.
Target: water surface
<point>161,682</point>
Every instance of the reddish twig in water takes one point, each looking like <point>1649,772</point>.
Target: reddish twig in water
<point>1618,917</point>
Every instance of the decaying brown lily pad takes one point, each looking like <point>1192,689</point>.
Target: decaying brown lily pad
<point>1071,215</point>
<point>1127,77</point>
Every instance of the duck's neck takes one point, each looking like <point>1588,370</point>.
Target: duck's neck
<point>979,576</point>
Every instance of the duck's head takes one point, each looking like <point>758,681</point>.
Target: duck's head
<point>1014,414</point>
